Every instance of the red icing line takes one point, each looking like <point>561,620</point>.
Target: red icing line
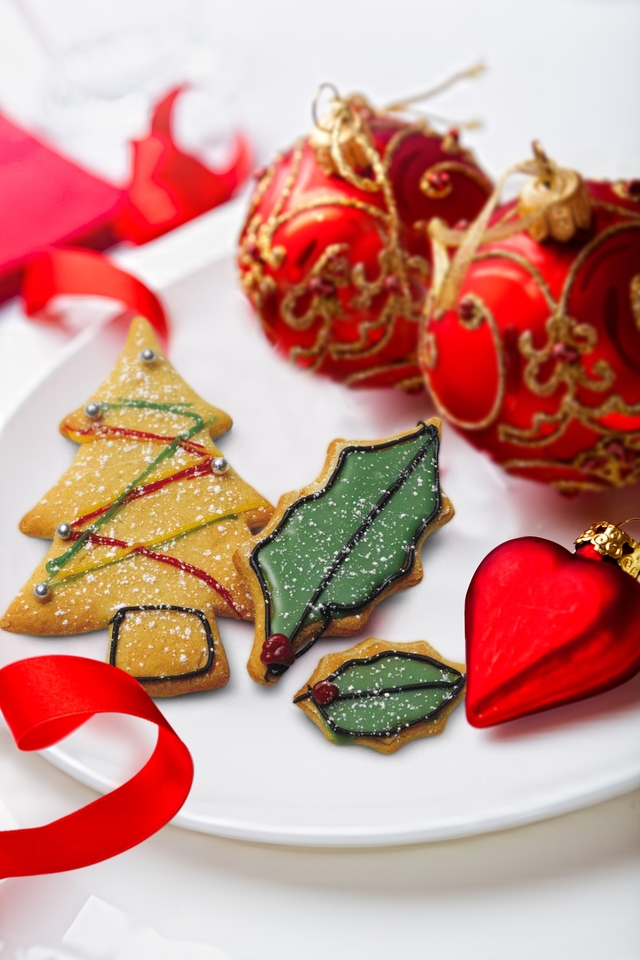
<point>100,540</point>
<point>194,571</point>
<point>197,470</point>
<point>101,428</point>
<point>165,558</point>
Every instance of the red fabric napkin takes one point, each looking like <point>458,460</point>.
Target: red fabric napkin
<point>46,200</point>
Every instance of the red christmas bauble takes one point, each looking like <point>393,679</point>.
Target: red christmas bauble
<point>537,360</point>
<point>334,255</point>
<point>546,627</point>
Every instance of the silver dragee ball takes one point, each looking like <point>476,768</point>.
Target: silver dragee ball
<point>219,465</point>
<point>93,409</point>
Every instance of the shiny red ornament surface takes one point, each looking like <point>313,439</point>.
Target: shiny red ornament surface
<point>539,364</point>
<point>338,273</point>
<point>546,627</point>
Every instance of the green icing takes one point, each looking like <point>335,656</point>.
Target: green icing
<point>388,693</point>
<point>390,670</point>
<point>344,545</point>
<point>386,714</point>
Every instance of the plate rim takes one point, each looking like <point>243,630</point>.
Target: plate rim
<point>254,831</point>
<point>447,829</point>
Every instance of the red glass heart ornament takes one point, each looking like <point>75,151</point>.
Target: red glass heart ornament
<point>334,255</point>
<point>545,626</point>
<point>535,352</point>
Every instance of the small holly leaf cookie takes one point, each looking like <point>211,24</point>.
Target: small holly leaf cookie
<point>335,549</point>
<point>382,695</point>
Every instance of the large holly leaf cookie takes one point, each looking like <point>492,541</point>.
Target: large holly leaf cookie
<point>335,549</point>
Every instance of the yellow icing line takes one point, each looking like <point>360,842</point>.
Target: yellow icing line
<point>150,544</point>
<point>165,476</point>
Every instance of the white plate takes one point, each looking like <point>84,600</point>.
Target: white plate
<point>263,771</point>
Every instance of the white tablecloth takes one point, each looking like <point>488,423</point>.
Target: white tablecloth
<point>566,72</point>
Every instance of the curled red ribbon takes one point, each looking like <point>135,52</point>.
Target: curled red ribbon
<point>168,187</point>
<point>84,273</point>
<point>43,700</point>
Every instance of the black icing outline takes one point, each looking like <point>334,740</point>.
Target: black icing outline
<point>119,616</point>
<point>456,687</point>
<point>433,443</point>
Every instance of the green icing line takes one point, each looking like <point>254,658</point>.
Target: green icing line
<point>160,543</point>
<point>388,713</point>
<point>55,565</point>
<point>177,408</point>
<point>305,565</point>
<point>387,693</point>
<point>391,671</point>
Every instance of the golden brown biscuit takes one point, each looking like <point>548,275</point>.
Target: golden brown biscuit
<point>382,695</point>
<point>149,514</point>
<point>335,549</point>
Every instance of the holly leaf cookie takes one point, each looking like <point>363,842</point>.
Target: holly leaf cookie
<point>147,518</point>
<point>382,695</point>
<point>335,549</point>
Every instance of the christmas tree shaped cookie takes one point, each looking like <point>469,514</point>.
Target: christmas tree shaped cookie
<point>144,525</point>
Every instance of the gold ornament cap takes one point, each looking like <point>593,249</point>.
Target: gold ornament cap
<point>610,541</point>
<point>559,218</point>
<point>350,116</point>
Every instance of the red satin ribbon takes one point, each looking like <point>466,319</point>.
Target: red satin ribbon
<point>50,201</point>
<point>44,699</point>
<point>84,273</point>
<point>169,187</point>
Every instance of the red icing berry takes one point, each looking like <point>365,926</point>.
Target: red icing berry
<point>277,649</point>
<point>325,692</point>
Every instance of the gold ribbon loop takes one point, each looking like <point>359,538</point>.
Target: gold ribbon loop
<point>552,187</point>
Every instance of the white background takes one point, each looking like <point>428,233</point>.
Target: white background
<point>564,72</point>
